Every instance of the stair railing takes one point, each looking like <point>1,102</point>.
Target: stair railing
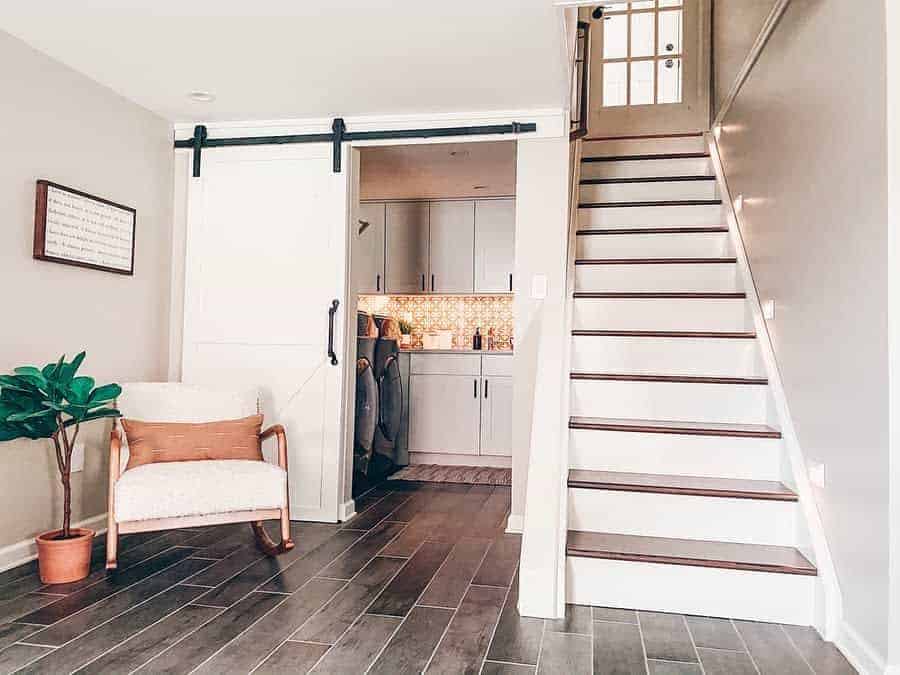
<point>581,82</point>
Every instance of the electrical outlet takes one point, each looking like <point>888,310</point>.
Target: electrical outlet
<point>539,286</point>
<point>817,474</point>
<point>78,457</point>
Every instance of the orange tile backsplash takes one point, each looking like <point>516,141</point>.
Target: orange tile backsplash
<point>461,314</point>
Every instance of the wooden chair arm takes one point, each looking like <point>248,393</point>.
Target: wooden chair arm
<point>277,430</point>
<point>115,455</point>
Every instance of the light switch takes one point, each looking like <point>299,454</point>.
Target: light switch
<point>78,457</point>
<point>539,286</point>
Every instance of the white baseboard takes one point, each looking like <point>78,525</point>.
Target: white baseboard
<point>347,510</point>
<point>515,524</point>
<point>26,550</point>
<point>448,459</point>
<point>860,653</point>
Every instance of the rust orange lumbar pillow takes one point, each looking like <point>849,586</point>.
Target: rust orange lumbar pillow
<point>150,442</point>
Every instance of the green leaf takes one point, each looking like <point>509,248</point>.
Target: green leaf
<point>94,415</point>
<point>108,392</point>
<point>69,369</point>
<point>30,371</point>
<point>30,414</point>
<point>18,383</point>
<point>79,389</point>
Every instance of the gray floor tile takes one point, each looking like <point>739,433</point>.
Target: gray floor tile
<point>312,563</point>
<point>673,668</point>
<point>16,656</point>
<point>346,565</point>
<point>618,649</point>
<point>451,581</point>
<point>666,637</point>
<point>404,590</point>
<point>359,647</point>
<point>501,561</point>
<point>292,658</point>
<point>565,653</point>
<point>614,614</point>
<point>517,638</point>
<point>414,642</point>
<point>14,632</point>
<point>500,668</point>
<point>723,662</point>
<point>772,651</point>
<point>577,620</point>
<point>824,657</point>
<point>465,644</point>
<point>714,633</point>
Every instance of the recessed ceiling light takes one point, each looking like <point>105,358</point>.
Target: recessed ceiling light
<point>202,96</point>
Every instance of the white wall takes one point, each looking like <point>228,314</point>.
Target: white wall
<point>805,144</point>
<point>59,125</point>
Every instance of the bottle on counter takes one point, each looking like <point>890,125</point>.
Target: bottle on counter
<point>491,343</point>
<point>476,340</point>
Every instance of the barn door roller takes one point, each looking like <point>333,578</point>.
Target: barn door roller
<point>339,134</point>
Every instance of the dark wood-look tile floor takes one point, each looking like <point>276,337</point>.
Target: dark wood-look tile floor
<point>422,580</point>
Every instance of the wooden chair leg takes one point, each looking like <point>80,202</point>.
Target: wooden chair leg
<point>265,543</point>
<point>112,543</point>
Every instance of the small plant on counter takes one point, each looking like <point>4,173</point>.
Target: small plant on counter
<point>405,327</point>
<point>52,402</point>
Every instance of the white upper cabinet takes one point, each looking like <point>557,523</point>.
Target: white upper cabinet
<point>452,247</point>
<point>406,249</point>
<point>368,254</point>
<point>495,243</point>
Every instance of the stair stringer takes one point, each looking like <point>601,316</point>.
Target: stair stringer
<point>828,608</point>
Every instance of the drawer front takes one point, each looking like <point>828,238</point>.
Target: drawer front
<point>497,365</point>
<point>445,364</point>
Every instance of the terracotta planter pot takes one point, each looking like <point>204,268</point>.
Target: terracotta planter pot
<point>64,560</point>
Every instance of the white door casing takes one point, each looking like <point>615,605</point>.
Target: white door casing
<point>266,255</point>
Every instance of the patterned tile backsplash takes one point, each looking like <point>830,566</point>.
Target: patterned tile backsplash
<point>461,314</point>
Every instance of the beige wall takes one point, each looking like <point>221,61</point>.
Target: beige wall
<point>736,24</point>
<point>805,144</point>
<point>59,125</point>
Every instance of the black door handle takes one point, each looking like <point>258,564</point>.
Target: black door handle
<point>510,282</point>
<point>475,389</point>
<point>378,283</point>
<point>423,283</point>
<point>331,312</point>
<point>485,388</point>
<point>432,283</point>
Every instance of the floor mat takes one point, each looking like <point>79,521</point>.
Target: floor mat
<point>437,473</point>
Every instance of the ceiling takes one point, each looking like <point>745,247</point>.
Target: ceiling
<point>442,170</point>
<point>271,59</point>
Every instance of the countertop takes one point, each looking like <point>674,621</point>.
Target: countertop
<point>495,352</point>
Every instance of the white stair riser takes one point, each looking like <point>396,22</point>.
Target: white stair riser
<point>747,521</point>
<point>651,216</point>
<point>643,146</point>
<point>739,594</point>
<point>718,277</point>
<point>669,356</point>
<point>655,191</point>
<point>660,314</point>
<point>644,168</point>
<point>675,454</point>
<point>674,401</point>
<point>702,245</point>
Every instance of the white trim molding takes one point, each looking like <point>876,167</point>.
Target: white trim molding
<point>347,510</point>
<point>829,606</point>
<point>860,653</point>
<point>26,550</point>
<point>514,524</point>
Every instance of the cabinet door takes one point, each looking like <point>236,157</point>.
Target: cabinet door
<point>496,416</point>
<point>406,250</point>
<point>495,244</point>
<point>444,412</point>
<point>452,247</point>
<point>368,259</point>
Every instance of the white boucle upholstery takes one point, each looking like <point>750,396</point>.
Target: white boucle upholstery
<point>174,489</point>
<point>177,402</point>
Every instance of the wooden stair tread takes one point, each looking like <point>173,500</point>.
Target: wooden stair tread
<point>656,261</point>
<point>690,334</point>
<point>646,179</point>
<point>684,379</point>
<point>700,486</point>
<point>641,204</point>
<point>659,295</point>
<point>672,427</point>
<point>697,553</point>
<point>654,230</point>
<point>632,158</point>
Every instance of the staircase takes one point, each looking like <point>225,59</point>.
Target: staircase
<point>678,497</point>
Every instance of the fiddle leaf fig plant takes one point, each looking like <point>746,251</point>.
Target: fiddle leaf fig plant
<point>52,402</point>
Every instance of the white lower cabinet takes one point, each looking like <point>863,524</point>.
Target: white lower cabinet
<point>496,416</point>
<point>460,404</point>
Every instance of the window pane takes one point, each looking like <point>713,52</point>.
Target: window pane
<point>643,4</point>
<point>615,37</point>
<point>670,3</point>
<point>642,34</point>
<point>669,81</point>
<point>614,84</point>
<point>641,82</point>
<point>670,32</point>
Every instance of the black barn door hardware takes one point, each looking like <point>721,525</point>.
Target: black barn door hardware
<point>339,134</point>
<point>331,312</point>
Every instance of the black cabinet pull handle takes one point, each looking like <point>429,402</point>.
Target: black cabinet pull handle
<point>485,388</point>
<point>432,283</point>
<point>510,282</point>
<point>378,283</point>
<point>475,382</point>
<point>331,312</point>
<point>423,283</point>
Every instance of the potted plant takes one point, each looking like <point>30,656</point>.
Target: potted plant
<point>52,402</point>
<point>405,333</point>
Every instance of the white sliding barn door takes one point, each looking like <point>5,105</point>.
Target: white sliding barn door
<point>266,255</point>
